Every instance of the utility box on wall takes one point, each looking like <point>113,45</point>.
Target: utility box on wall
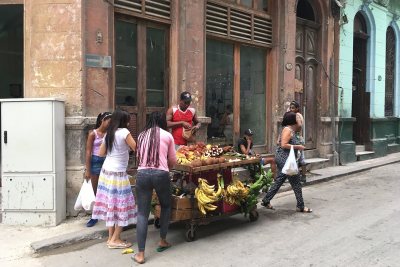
<point>33,161</point>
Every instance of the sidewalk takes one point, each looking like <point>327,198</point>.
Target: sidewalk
<point>28,240</point>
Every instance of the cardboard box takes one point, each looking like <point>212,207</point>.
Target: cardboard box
<point>176,215</point>
<point>182,203</point>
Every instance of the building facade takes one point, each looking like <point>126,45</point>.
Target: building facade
<point>369,71</point>
<point>248,58</point>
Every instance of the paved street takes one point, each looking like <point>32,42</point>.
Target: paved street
<point>356,222</point>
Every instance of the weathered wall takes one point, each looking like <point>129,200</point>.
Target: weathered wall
<point>53,51</point>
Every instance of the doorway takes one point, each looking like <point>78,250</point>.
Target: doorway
<point>141,69</point>
<point>361,98</point>
<point>307,52</point>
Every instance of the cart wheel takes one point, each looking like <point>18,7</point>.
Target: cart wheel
<point>191,234</point>
<point>157,223</point>
<point>253,216</point>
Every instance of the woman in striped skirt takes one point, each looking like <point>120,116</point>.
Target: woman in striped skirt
<point>115,203</point>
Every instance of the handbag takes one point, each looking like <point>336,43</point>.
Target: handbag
<point>188,134</point>
<point>290,168</point>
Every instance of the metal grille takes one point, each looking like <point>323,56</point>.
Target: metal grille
<point>390,66</point>
<point>151,8</point>
<point>240,24</point>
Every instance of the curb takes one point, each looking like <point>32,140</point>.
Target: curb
<point>72,239</point>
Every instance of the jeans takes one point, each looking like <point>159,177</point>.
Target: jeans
<point>146,181</point>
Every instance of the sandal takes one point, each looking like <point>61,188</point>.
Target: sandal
<point>267,205</point>
<point>304,210</point>
<point>119,245</point>
<point>136,260</point>
<point>162,248</point>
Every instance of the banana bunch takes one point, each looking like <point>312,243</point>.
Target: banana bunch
<point>181,158</point>
<point>206,195</point>
<point>236,192</point>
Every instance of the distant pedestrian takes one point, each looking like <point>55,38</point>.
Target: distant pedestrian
<point>115,203</point>
<point>155,155</point>
<point>287,139</point>
<point>94,161</point>
<point>295,107</point>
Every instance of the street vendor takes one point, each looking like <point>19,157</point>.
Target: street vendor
<point>181,117</point>
<point>245,146</point>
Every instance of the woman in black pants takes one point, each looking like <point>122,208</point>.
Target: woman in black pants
<point>287,139</point>
<point>156,155</point>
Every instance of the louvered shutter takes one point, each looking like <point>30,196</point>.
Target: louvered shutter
<point>149,8</point>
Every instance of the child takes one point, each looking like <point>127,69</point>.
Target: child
<point>115,203</point>
<point>94,161</point>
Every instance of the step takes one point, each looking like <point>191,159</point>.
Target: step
<point>311,153</point>
<point>360,148</point>
<point>393,148</point>
<point>317,163</point>
<point>364,155</point>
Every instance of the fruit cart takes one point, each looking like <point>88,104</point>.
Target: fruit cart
<point>186,209</point>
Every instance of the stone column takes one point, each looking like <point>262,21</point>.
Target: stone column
<point>191,59</point>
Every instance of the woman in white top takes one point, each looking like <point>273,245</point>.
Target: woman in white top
<point>115,203</point>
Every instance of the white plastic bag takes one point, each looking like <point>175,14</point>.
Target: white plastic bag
<point>86,197</point>
<point>290,168</point>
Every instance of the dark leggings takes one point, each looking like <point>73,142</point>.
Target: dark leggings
<point>280,158</point>
<point>146,181</point>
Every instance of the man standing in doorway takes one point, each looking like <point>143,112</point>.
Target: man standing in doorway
<point>182,116</point>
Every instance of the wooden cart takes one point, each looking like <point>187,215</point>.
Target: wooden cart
<point>190,173</point>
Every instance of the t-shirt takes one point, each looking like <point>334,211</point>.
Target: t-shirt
<point>167,151</point>
<point>243,141</point>
<point>117,159</point>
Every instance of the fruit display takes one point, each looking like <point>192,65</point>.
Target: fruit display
<point>200,155</point>
<point>206,195</point>
<point>236,193</point>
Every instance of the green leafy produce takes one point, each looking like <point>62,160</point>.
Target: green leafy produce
<point>263,180</point>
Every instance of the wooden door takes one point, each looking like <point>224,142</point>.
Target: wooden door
<point>306,76</point>
<point>141,76</point>
<point>361,98</point>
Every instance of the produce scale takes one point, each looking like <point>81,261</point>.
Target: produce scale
<point>206,189</point>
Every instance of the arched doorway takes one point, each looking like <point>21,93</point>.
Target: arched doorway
<point>361,98</point>
<point>307,52</point>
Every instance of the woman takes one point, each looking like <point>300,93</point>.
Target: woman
<point>155,155</point>
<point>115,203</point>
<point>287,139</point>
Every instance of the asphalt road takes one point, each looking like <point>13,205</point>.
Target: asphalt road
<point>356,222</point>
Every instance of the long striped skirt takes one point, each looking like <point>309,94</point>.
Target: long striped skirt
<point>115,203</point>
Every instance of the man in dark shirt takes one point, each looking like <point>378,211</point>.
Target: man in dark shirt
<point>245,144</point>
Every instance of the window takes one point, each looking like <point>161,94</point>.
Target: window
<point>252,92</point>
<point>219,88</point>
<point>126,63</point>
<point>140,69</point>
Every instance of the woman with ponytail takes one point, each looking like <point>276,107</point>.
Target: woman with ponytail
<point>155,155</point>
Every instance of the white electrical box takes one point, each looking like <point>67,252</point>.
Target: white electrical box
<point>33,161</point>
